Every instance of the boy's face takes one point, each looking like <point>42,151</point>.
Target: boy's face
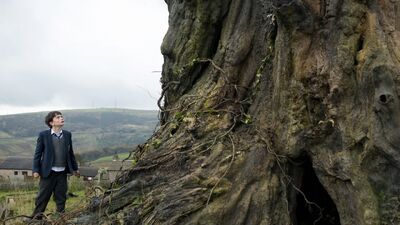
<point>58,121</point>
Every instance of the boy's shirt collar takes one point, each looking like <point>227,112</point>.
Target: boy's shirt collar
<point>57,134</point>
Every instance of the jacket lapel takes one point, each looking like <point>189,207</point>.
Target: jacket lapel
<point>66,140</point>
<point>49,141</point>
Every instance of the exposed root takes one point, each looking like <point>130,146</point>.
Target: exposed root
<point>226,171</point>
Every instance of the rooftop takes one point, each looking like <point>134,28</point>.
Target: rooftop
<point>25,163</point>
<point>16,163</point>
<point>88,171</point>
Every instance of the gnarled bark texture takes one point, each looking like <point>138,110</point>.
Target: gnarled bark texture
<point>275,112</point>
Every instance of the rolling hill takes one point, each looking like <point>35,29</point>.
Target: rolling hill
<point>95,132</point>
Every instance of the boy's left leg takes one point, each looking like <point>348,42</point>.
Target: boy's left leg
<point>46,187</point>
<point>60,191</point>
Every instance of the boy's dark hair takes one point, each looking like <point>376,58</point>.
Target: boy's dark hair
<point>50,116</point>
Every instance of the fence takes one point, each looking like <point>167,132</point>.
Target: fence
<point>19,185</point>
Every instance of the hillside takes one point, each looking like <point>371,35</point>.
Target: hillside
<point>95,132</point>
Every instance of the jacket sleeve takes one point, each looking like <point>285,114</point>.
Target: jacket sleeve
<point>72,156</point>
<point>38,154</point>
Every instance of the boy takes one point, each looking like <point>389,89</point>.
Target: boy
<point>53,159</point>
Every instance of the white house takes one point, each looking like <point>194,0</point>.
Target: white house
<point>16,168</point>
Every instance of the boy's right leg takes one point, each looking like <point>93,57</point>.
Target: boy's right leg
<point>60,191</point>
<point>46,186</point>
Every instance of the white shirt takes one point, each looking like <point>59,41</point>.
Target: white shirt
<point>58,134</point>
<point>57,168</point>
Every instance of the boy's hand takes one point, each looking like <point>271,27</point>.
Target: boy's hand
<point>35,175</point>
<point>76,173</point>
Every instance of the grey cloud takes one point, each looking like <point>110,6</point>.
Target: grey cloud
<point>81,53</point>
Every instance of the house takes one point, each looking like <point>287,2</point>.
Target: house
<point>16,168</point>
<point>110,170</point>
<point>88,173</point>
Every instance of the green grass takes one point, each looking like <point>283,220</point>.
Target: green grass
<point>23,201</point>
<point>5,194</point>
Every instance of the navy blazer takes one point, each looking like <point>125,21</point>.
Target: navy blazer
<point>44,154</point>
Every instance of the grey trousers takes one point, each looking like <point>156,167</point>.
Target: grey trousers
<point>55,183</point>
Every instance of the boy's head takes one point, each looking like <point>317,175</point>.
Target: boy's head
<point>54,118</point>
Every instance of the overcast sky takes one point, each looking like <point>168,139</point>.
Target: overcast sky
<point>69,54</point>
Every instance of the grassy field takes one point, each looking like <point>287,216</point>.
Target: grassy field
<point>22,202</point>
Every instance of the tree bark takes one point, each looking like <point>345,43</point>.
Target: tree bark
<point>275,112</point>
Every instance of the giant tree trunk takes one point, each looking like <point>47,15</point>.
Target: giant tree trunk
<point>275,112</point>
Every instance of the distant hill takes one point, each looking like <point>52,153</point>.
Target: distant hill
<point>95,132</point>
